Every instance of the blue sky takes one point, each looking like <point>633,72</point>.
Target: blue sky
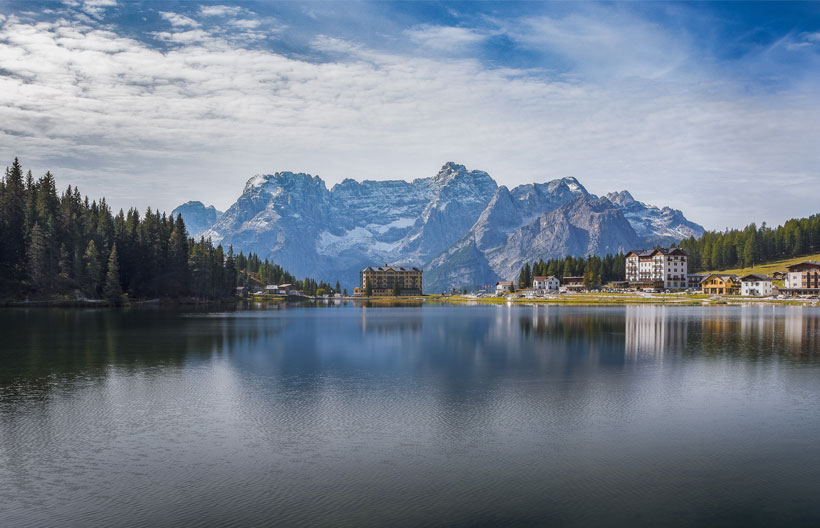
<point>712,108</point>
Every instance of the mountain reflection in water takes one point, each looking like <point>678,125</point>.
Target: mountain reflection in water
<point>350,415</point>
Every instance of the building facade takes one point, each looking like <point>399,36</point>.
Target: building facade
<point>573,284</point>
<point>503,287</point>
<point>756,285</point>
<point>803,278</point>
<point>693,281</point>
<point>546,283</point>
<point>721,284</point>
<point>662,268</point>
<point>391,280</point>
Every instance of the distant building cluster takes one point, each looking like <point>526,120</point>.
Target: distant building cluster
<point>666,270</point>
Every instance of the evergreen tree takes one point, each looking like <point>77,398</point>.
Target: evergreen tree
<point>113,289</point>
<point>37,257</point>
<point>93,270</point>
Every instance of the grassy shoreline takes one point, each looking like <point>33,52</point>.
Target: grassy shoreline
<point>575,299</point>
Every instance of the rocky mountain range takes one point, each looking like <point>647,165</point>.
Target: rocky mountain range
<point>459,226</point>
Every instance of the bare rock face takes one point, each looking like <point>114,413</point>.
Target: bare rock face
<point>197,217</point>
<point>459,225</point>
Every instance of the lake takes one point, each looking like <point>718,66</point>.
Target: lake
<point>430,415</point>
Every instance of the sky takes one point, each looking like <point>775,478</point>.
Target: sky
<point>711,108</point>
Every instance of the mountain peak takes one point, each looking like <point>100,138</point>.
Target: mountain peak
<point>449,171</point>
<point>622,198</point>
<point>286,180</point>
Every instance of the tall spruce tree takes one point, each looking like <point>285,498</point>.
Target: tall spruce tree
<point>112,289</point>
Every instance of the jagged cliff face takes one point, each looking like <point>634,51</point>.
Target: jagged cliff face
<point>459,225</point>
<point>198,218</point>
<point>653,222</point>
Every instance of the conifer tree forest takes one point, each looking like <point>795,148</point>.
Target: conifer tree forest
<point>714,250</point>
<point>54,244</point>
<point>594,269</point>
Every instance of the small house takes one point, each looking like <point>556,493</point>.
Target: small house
<point>502,287</point>
<point>721,284</point>
<point>756,285</point>
<point>546,283</point>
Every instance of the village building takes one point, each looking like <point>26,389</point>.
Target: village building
<point>272,289</point>
<point>803,278</point>
<point>573,284</point>
<point>756,285</point>
<point>391,280</point>
<point>288,289</point>
<point>693,281</point>
<point>661,268</point>
<point>721,284</point>
<point>545,283</point>
<point>502,287</point>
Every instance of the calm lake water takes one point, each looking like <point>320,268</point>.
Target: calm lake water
<point>411,416</point>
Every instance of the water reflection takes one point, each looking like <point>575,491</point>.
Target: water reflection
<point>350,415</point>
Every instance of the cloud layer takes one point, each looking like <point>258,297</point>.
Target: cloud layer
<point>193,106</point>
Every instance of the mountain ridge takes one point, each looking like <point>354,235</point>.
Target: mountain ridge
<point>459,225</point>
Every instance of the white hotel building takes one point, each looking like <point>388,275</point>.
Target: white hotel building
<point>662,268</point>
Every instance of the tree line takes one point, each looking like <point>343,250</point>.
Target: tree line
<point>714,250</point>
<point>594,269</point>
<point>751,245</point>
<point>58,244</point>
<point>267,272</point>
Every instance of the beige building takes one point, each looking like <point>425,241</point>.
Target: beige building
<point>389,280</point>
<point>661,268</point>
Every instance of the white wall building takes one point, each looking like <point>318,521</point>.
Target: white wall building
<point>546,283</point>
<point>503,287</point>
<point>657,268</point>
<point>756,285</point>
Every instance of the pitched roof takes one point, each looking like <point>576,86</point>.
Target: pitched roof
<point>653,252</point>
<point>722,276</point>
<point>805,263</point>
<point>539,278</point>
<point>755,277</point>
<point>392,268</point>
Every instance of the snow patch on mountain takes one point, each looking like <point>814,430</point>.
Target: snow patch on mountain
<point>459,225</point>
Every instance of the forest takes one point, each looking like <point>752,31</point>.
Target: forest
<point>747,247</point>
<point>63,245</point>
<point>715,250</point>
<point>594,269</point>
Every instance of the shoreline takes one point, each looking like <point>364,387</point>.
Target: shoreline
<point>574,299</point>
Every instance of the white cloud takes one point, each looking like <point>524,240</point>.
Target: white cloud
<point>445,38</point>
<point>178,20</point>
<point>150,127</point>
<point>243,23</point>
<point>220,10</point>
<point>93,8</point>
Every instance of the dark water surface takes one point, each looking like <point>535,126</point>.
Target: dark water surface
<point>411,416</point>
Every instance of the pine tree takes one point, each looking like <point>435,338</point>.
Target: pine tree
<point>92,268</point>
<point>37,256</point>
<point>113,289</point>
